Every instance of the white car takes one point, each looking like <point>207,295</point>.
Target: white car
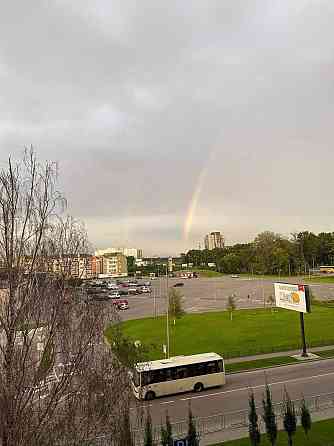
<point>145,289</point>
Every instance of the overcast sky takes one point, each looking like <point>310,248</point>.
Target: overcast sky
<point>173,118</point>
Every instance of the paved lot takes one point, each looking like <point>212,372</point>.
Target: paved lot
<point>211,294</point>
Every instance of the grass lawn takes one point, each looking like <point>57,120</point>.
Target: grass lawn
<point>325,353</point>
<point>321,434</point>
<point>319,279</point>
<point>259,363</point>
<point>251,332</point>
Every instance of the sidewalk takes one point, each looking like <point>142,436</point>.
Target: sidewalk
<point>276,354</point>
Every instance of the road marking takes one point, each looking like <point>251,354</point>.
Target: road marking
<point>242,389</point>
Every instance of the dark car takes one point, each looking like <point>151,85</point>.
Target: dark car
<point>179,284</point>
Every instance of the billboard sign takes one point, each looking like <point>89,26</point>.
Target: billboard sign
<point>292,297</point>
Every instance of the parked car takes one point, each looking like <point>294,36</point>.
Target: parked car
<point>121,304</point>
<point>235,276</point>
<point>115,294</point>
<point>178,284</point>
<point>145,289</point>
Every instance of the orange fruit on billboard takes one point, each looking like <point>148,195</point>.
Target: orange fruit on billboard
<point>295,298</point>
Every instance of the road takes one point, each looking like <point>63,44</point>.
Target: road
<point>203,294</point>
<point>308,379</point>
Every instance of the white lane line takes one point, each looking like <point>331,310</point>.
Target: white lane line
<point>168,402</point>
<point>242,389</point>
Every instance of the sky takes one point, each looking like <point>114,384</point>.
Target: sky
<point>172,119</point>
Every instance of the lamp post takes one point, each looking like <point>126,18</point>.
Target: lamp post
<point>167,311</point>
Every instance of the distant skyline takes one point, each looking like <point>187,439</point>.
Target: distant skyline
<point>173,119</point>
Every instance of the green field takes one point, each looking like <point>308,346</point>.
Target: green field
<point>250,332</point>
<point>320,279</point>
<point>322,434</point>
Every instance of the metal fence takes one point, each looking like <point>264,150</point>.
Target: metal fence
<point>224,421</point>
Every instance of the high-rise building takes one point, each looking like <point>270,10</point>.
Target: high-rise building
<point>214,240</point>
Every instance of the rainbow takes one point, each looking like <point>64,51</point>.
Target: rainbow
<point>196,195</point>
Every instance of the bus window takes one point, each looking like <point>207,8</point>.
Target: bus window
<point>220,365</point>
<point>181,372</point>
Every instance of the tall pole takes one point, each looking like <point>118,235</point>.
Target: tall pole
<point>302,329</point>
<point>155,301</point>
<point>167,312</point>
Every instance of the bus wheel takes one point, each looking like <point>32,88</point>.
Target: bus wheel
<point>198,387</point>
<point>150,396</point>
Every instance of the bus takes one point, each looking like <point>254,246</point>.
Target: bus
<point>177,374</point>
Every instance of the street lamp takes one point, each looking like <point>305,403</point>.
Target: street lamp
<point>167,311</point>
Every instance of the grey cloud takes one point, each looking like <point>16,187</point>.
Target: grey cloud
<point>135,99</point>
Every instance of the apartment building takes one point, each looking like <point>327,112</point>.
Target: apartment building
<point>114,265</point>
<point>76,266</point>
<point>214,240</point>
<point>127,252</point>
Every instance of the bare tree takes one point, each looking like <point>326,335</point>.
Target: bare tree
<point>59,383</point>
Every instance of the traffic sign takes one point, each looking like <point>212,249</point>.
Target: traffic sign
<point>181,442</point>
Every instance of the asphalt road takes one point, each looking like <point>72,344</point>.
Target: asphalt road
<point>211,294</point>
<point>306,379</point>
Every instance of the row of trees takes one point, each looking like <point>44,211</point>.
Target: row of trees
<point>270,253</point>
<point>269,417</point>
<point>166,432</point>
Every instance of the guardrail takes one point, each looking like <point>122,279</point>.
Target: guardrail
<point>223,421</point>
<point>239,419</point>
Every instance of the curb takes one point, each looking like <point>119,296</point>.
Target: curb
<point>278,365</point>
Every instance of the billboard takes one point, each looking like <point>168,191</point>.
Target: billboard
<point>292,297</point>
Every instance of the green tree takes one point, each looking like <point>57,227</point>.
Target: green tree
<point>175,307</point>
<point>231,305</point>
<point>148,436</point>
<point>253,427</point>
<point>269,416</point>
<point>305,417</point>
<point>289,418</point>
<point>192,433</point>
<point>131,264</point>
<point>166,433</point>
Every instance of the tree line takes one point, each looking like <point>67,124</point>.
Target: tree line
<point>269,253</point>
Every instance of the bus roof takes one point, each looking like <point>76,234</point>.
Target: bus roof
<point>177,361</point>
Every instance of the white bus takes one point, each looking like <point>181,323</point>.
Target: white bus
<point>178,374</point>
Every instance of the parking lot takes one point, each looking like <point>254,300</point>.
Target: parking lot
<point>211,294</point>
